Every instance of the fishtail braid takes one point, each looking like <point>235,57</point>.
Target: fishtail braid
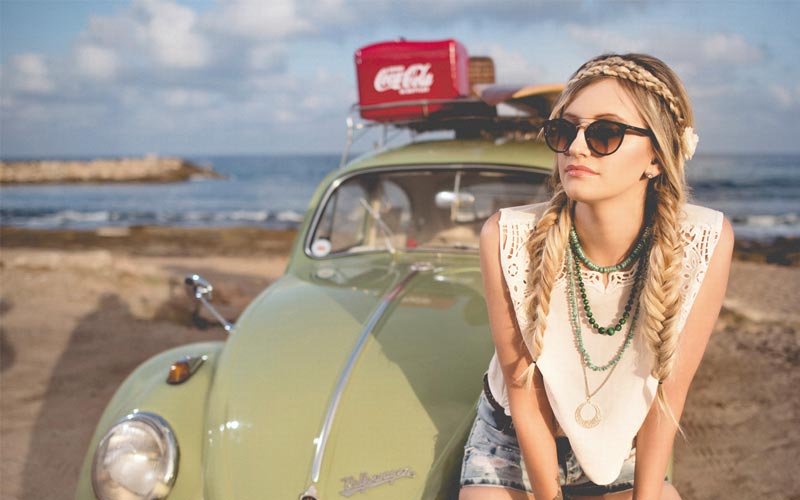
<point>661,298</point>
<point>546,247</point>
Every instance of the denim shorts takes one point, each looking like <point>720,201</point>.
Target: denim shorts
<point>492,458</point>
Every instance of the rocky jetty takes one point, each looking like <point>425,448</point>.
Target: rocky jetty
<point>147,169</point>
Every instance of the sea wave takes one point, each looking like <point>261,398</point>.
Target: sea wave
<point>75,219</point>
<point>747,226</point>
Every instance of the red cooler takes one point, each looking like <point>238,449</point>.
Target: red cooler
<point>391,72</point>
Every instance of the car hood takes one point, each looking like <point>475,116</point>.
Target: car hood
<point>403,411</point>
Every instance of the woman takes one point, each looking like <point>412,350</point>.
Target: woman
<point>601,301</point>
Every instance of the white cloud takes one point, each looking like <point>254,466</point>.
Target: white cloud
<point>275,19</point>
<point>186,98</point>
<point>95,62</point>
<point>29,72</point>
<point>327,93</point>
<point>172,34</point>
<point>729,48</point>
<point>715,90</point>
<point>691,48</point>
<point>285,116</point>
<point>510,67</point>
<point>601,40</point>
<point>786,97</point>
<point>266,56</point>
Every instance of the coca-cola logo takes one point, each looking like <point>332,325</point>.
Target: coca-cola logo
<point>411,79</point>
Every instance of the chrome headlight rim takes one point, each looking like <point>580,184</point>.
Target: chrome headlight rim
<point>165,435</point>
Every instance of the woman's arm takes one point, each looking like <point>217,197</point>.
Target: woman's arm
<point>530,410</point>
<point>657,434</point>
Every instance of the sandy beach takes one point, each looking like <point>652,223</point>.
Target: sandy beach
<point>80,310</point>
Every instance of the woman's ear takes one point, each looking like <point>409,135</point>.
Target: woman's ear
<point>654,169</point>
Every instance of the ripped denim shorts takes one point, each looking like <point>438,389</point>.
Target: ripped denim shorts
<point>492,458</point>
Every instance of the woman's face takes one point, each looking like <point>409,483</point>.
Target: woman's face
<point>590,178</point>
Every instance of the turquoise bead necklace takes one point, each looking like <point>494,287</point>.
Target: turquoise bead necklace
<point>573,268</point>
<point>641,244</point>
<point>575,245</point>
<point>610,330</point>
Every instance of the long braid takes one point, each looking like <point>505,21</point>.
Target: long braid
<point>546,247</point>
<point>661,298</point>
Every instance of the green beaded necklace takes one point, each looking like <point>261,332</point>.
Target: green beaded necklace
<point>574,267</point>
<point>637,250</point>
<point>610,330</point>
<point>575,245</point>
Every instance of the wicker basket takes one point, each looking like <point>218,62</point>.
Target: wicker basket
<point>481,70</point>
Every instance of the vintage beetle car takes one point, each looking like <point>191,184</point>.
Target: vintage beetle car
<point>358,371</point>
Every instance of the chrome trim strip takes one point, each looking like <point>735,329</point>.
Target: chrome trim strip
<point>322,439</point>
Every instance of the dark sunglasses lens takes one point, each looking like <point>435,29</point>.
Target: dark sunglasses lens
<point>604,137</point>
<point>559,134</point>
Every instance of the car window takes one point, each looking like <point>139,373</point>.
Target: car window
<point>428,209</point>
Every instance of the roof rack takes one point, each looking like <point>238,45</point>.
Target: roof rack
<point>467,117</point>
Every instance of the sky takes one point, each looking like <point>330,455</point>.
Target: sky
<point>117,78</point>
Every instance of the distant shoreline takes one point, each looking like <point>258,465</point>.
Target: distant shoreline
<point>150,169</point>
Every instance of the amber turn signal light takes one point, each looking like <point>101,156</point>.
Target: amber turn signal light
<point>180,371</point>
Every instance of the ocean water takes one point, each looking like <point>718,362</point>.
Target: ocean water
<point>760,194</point>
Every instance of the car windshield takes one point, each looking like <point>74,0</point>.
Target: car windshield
<point>427,209</point>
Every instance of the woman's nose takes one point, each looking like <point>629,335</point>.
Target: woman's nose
<point>579,146</point>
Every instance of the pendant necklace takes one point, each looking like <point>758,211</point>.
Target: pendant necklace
<point>573,268</point>
<point>597,414</point>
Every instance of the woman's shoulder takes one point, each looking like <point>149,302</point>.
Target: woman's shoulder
<point>508,228</point>
<point>526,214</point>
<point>696,215</point>
<point>702,230</point>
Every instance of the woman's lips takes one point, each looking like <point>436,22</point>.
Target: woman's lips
<point>580,171</point>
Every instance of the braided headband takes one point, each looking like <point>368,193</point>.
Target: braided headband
<point>624,69</point>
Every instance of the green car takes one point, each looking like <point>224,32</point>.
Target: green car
<point>357,373</point>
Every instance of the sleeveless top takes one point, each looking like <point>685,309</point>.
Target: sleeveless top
<point>626,396</point>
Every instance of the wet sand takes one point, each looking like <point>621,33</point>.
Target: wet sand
<point>80,310</point>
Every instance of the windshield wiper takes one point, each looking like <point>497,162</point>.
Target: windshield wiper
<point>387,233</point>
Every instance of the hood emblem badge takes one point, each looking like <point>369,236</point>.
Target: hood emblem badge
<point>366,481</point>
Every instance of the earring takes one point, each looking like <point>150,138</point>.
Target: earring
<point>650,175</point>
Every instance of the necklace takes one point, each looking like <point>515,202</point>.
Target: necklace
<point>612,329</point>
<point>573,309</point>
<point>597,414</point>
<point>627,261</point>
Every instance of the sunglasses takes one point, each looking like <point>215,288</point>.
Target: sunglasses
<point>603,137</point>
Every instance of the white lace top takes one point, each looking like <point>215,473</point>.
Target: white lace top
<point>626,397</point>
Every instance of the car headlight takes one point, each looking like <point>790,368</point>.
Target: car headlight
<point>137,459</point>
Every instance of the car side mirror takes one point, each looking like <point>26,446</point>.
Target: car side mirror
<point>460,203</point>
<point>201,290</point>
<point>448,199</point>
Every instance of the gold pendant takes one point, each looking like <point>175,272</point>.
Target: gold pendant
<point>592,422</point>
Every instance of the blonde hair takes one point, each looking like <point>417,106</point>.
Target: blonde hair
<point>664,106</point>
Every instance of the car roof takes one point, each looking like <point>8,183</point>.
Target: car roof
<point>522,153</point>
